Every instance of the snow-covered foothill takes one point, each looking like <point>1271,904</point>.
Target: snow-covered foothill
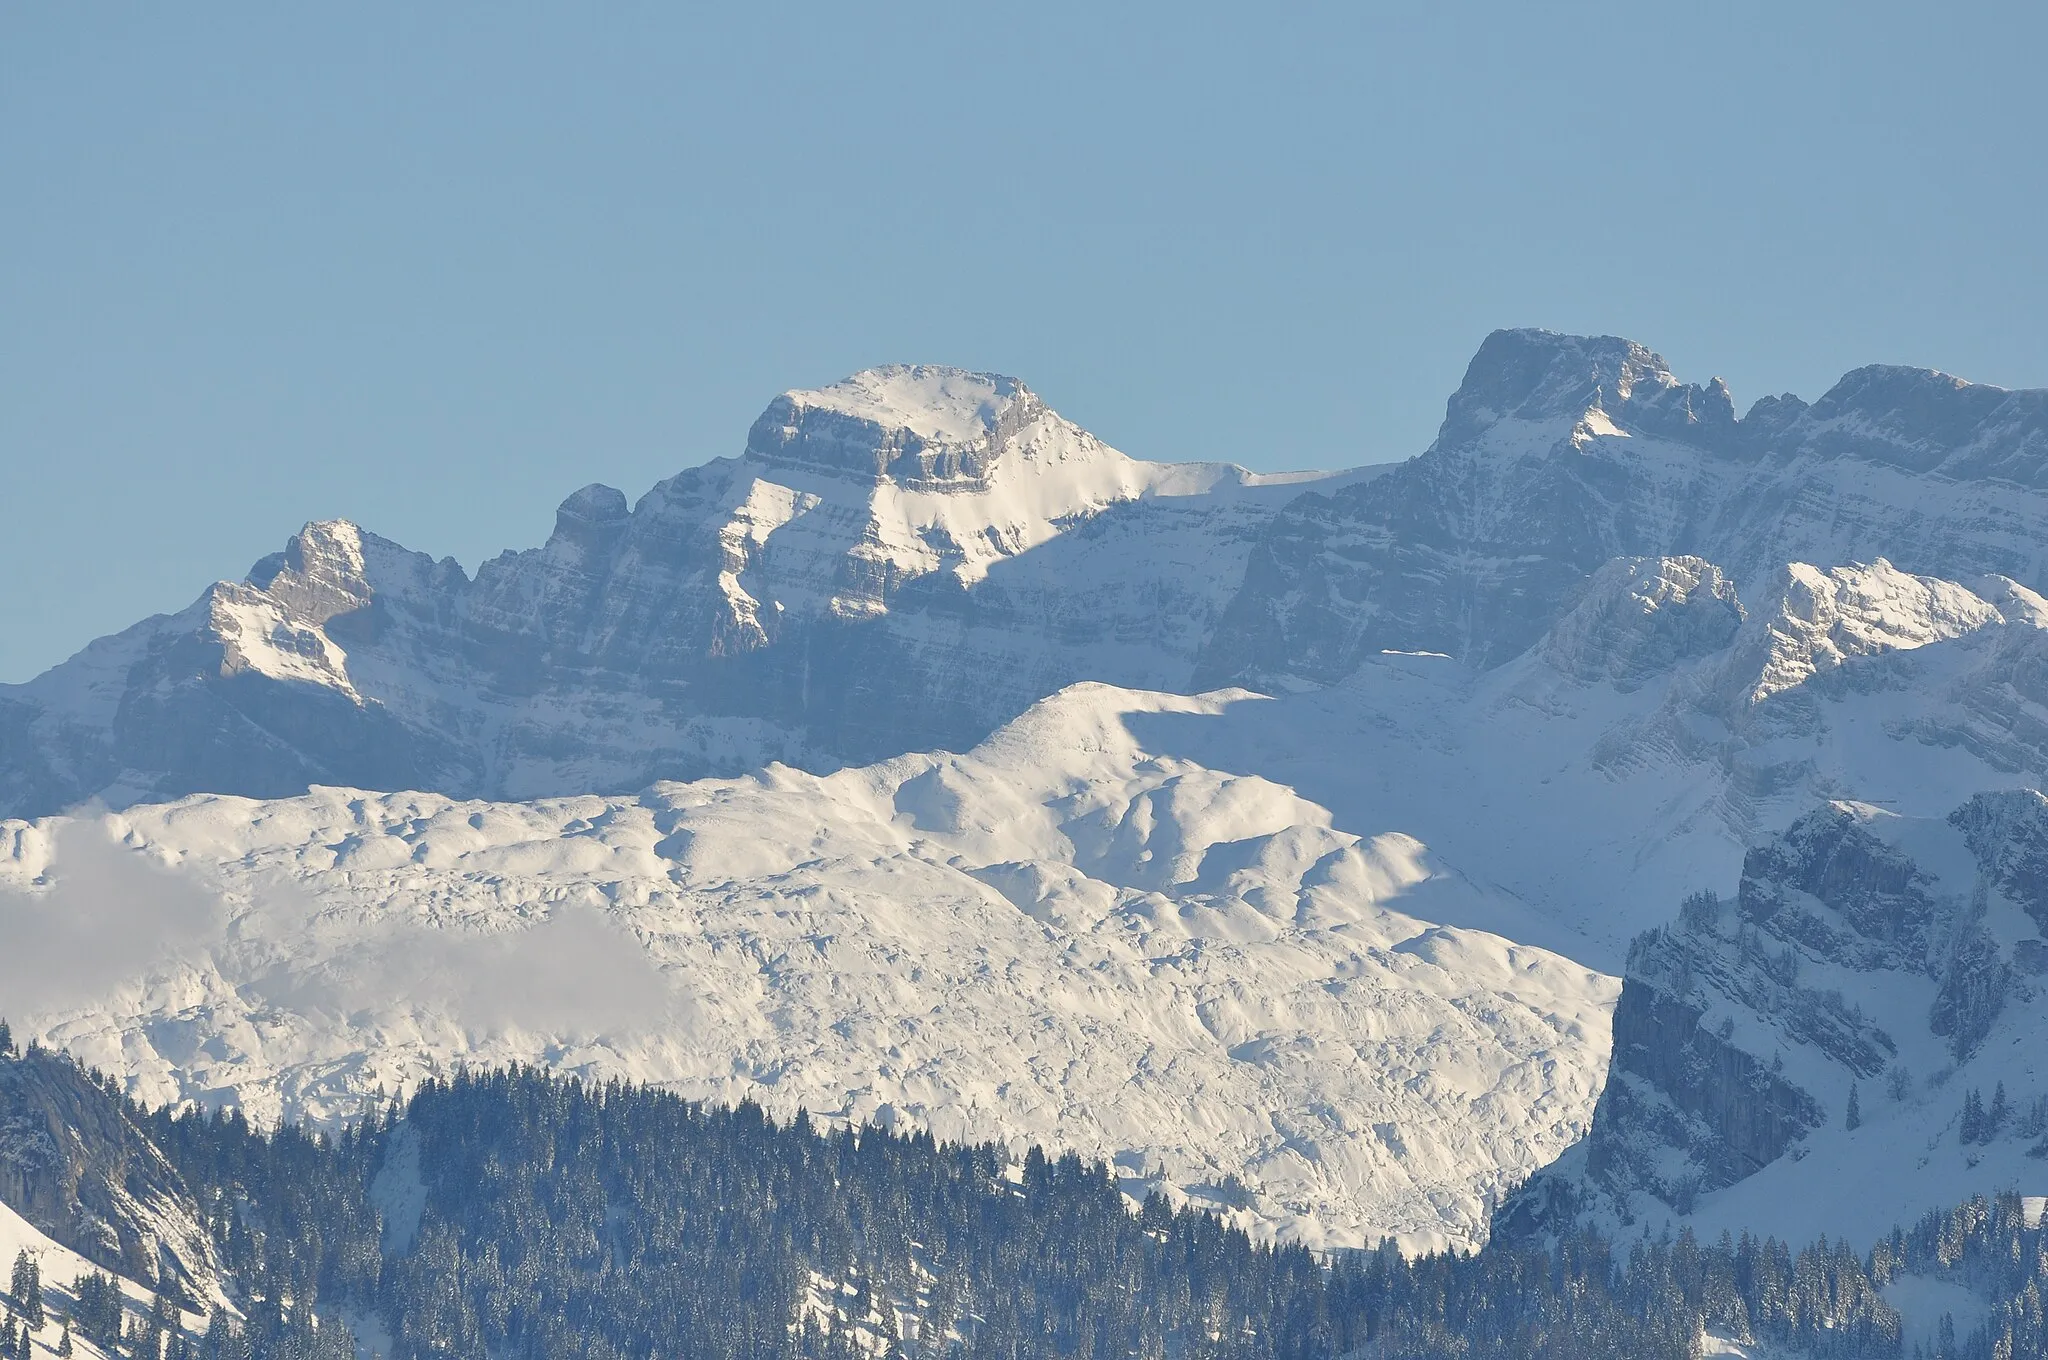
<point>1061,937</point>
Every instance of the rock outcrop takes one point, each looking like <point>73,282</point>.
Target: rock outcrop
<point>901,561</point>
<point>1869,970</point>
<point>1560,453</point>
<point>74,1165</point>
<point>1639,617</point>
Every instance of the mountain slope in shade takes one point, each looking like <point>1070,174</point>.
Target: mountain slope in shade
<point>898,562</point>
<point>86,1189</point>
<point>1890,963</point>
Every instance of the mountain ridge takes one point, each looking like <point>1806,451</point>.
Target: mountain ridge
<point>1559,454</point>
<point>823,596</point>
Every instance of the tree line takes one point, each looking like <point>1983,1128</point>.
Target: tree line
<point>550,1217</point>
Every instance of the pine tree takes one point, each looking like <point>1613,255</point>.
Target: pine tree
<point>1995,1121</point>
<point>64,1347</point>
<point>219,1342</point>
<point>1972,1129</point>
<point>1853,1119</point>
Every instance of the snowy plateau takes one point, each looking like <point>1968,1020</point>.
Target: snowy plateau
<point>1301,845</point>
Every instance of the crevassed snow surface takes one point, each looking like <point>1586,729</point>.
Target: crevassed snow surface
<point>1058,937</point>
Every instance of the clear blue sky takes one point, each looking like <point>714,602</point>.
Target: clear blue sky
<point>433,266</point>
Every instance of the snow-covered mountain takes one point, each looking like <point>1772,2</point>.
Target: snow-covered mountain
<point>1855,1033</point>
<point>905,560</point>
<point>1060,937</point>
<point>1344,955</point>
<point>897,562</point>
<point>1341,956</point>
<point>1559,454</point>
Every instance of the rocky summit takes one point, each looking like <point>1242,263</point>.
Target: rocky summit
<point>898,562</point>
<point>907,559</point>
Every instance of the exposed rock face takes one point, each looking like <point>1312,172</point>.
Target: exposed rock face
<point>1861,949</point>
<point>1688,1088</point>
<point>899,562</point>
<point>908,558</point>
<point>1530,377</point>
<point>1820,619</point>
<point>73,1165</point>
<point>1640,617</point>
<point>924,428</point>
<point>1560,453</point>
<point>2008,833</point>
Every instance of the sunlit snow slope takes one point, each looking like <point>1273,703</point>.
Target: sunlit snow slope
<point>1058,937</point>
<point>61,1269</point>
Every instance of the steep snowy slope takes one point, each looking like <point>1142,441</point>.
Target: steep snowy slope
<point>83,1191</point>
<point>61,1269</point>
<point>1853,1038</point>
<point>83,1173</point>
<point>1062,936</point>
<point>898,562</point>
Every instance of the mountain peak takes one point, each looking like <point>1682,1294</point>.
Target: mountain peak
<point>1535,374</point>
<point>1925,420</point>
<point>1539,375</point>
<point>932,401</point>
<point>1912,406</point>
<point>924,425</point>
<point>321,571</point>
